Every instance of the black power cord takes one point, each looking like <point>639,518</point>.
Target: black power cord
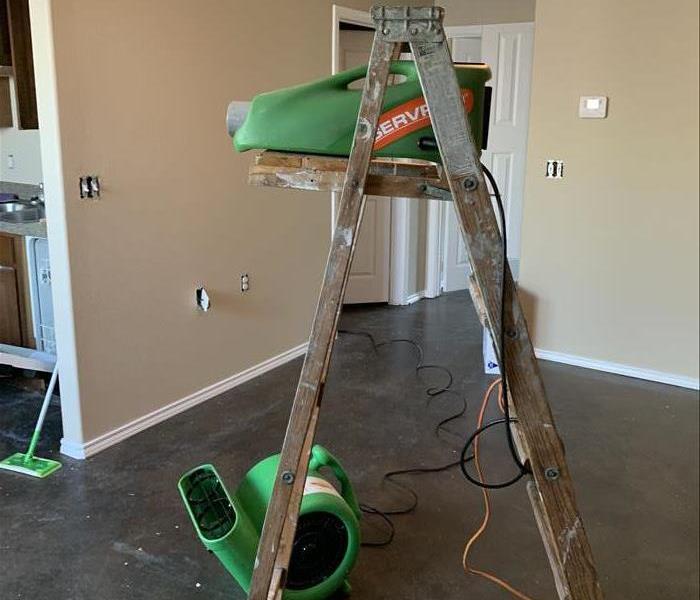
<point>431,391</point>
<point>465,456</point>
<point>385,514</point>
<point>522,469</point>
<point>390,476</point>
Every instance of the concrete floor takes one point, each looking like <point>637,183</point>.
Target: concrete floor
<point>113,527</point>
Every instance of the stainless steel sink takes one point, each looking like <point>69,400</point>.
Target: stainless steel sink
<point>21,212</point>
<point>8,207</point>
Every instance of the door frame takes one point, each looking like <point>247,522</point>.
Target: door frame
<point>342,14</point>
<point>56,221</point>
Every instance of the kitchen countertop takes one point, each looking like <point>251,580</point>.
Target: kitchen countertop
<point>25,192</point>
<point>36,229</point>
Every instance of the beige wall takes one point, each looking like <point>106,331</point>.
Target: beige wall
<point>485,12</point>
<point>142,93</point>
<point>610,253</point>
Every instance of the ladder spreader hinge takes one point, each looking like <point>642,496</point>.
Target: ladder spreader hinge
<point>409,23</point>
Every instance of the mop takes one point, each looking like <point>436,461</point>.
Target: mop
<point>28,463</point>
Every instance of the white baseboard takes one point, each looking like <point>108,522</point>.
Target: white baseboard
<point>84,450</point>
<point>413,298</point>
<point>619,369</point>
<point>407,300</point>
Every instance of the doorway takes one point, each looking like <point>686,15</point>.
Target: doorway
<point>389,262</point>
<point>27,338</point>
<point>408,249</point>
<point>507,48</point>
<point>49,298</point>
<point>370,273</point>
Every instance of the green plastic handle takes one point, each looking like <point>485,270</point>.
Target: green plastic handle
<point>404,67</point>
<point>320,457</point>
<point>407,68</point>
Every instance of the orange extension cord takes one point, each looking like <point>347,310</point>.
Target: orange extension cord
<point>487,505</point>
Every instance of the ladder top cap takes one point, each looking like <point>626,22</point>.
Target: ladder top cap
<point>409,23</point>
<point>403,13</point>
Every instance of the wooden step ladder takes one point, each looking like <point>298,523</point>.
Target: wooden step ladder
<point>460,180</point>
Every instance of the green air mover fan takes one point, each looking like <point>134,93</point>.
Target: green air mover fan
<point>328,531</point>
<point>320,117</point>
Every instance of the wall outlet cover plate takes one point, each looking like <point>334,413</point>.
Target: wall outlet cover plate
<point>202,299</point>
<point>555,169</point>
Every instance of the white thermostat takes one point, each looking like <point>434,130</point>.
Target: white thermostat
<point>593,107</point>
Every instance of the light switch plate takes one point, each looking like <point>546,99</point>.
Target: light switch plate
<point>593,107</point>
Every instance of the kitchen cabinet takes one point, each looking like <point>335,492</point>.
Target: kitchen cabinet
<point>5,103</point>
<point>15,306</point>
<point>16,61</point>
<point>5,45</point>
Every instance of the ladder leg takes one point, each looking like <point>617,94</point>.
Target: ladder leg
<point>275,545</point>
<point>552,493</point>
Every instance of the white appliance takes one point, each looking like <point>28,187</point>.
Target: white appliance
<point>39,268</point>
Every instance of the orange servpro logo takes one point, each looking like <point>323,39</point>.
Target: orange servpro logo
<point>407,117</point>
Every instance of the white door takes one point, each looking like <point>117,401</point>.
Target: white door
<point>455,261</point>
<point>507,49</point>
<point>369,275</point>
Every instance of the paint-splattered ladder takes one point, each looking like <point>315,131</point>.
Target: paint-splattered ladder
<point>550,489</point>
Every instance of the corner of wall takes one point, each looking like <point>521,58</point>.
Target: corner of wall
<point>52,165</point>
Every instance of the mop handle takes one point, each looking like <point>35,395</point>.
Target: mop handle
<point>42,415</point>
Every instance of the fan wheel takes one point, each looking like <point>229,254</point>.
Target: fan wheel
<point>320,544</point>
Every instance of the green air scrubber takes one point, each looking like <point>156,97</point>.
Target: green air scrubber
<point>320,117</point>
<point>328,531</point>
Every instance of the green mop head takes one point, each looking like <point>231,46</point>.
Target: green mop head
<point>27,463</point>
<point>30,465</point>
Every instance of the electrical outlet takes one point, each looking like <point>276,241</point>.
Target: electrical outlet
<point>202,299</point>
<point>89,186</point>
<point>555,169</point>
<point>10,161</point>
<point>245,282</point>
